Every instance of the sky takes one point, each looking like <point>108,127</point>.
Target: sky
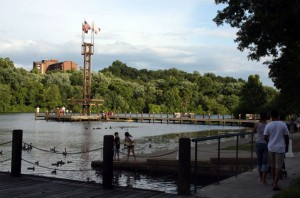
<point>143,34</point>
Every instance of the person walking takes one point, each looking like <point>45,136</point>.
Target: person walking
<point>276,134</point>
<point>129,142</point>
<point>298,123</point>
<point>117,146</point>
<point>261,148</point>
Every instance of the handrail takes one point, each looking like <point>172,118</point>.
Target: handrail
<point>219,137</point>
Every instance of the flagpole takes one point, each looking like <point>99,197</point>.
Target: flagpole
<point>82,37</point>
<point>93,34</point>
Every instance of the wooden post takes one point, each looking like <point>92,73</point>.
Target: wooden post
<point>184,165</point>
<point>167,117</point>
<point>153,117</point>
<point>16,155</point>
<point>108,161</point>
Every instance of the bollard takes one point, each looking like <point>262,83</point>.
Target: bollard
<point>108,152</point>
<point>16,155</point>
<point>184,165</point>
<point>290,151</point>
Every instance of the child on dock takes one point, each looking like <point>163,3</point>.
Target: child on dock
<point>129,142</point>
<point>117,146</point>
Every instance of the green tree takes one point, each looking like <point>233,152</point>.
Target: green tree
<point>153,108</point>
<point>123,89</point>
<point>76,78</point>
<point>51,97</point>
<point>172,100</point>
<point>5,97</point>
<point>269,29</point>
<point>6,63</point>
<point>285,73</point>
<point>253,96</point>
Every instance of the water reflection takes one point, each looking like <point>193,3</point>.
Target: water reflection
<point>154,181</point>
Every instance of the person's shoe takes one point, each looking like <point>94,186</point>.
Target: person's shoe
<point>276,188</point>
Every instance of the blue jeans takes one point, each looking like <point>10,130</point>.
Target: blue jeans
<point>262,157</point>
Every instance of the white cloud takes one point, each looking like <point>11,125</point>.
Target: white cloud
<point>150,34</point>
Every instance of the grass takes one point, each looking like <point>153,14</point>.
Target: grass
<point>293,191</point>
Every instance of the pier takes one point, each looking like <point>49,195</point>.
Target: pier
<point>149,118</point>
<point>36,186</point>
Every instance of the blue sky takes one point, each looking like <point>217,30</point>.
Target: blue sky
<point>144,34</point>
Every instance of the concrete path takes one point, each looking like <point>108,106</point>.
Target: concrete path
<point>247,184</point>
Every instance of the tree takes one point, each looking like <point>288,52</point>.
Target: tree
<point>51,97</point>
<point>5,97</point>
<point>269,29</point>
<point>123,89</point>
<point>6,63</point>
<point>253,96</point>
<point>172,100</point>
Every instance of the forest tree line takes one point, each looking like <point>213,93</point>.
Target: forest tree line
<point>126,89</point>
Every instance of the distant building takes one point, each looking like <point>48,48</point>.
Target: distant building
<point>53,64</point>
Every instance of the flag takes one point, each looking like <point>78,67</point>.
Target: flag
<point>95,29</point>
<point>86,27</point>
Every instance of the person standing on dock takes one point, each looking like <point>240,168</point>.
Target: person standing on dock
<point>129,142</point>
<point>117,146</point>
<point>261,148</point>
<point>277,136</point>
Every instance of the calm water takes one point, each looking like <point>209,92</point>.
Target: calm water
<point>80,137</point>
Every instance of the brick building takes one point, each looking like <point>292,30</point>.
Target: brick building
<point>53,64</point>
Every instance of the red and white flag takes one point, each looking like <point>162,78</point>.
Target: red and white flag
<point>86,27</point>
<point>95,29</point>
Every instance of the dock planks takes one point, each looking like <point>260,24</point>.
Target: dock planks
<point>46,187</point>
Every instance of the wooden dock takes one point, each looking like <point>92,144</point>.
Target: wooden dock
<point>148,118</point>
<point>45,187</point>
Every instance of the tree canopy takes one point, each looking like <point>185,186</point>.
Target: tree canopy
<point>126,89</point>
<point>269,29</point>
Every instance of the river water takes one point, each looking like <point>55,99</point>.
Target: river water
<point>83,142</point>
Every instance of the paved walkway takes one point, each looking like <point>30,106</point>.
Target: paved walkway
<point>247,185</point>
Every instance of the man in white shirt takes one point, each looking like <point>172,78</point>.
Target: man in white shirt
<point>298,123</point>
<point>276,135</point>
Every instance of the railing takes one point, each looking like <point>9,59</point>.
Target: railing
<point>184,161</point>
<point>18,146</point>
<point>219,137</point>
